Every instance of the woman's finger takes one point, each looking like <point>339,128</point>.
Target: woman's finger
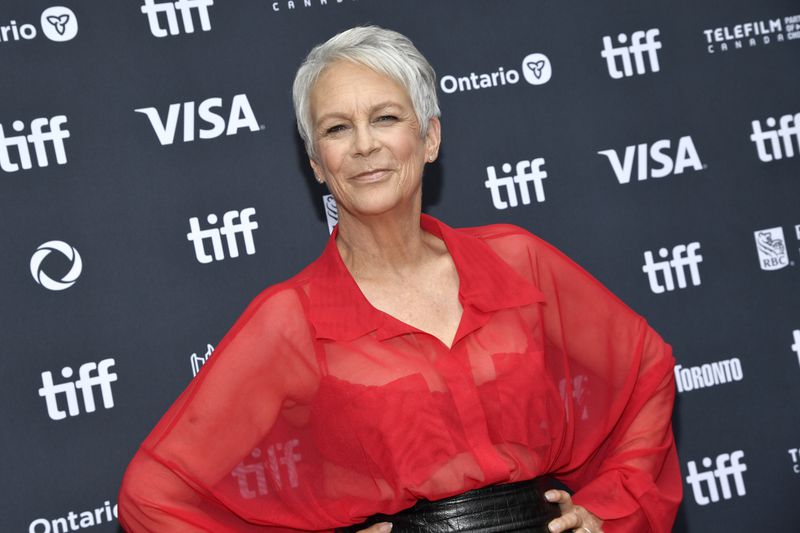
<point>560,497</point>
<point>568,521</point>
<point>380,527</point>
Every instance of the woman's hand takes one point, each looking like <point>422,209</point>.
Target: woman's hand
<point>573,517</point>
<point>380,527</point>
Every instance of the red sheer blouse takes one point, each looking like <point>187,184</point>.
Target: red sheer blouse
<point>318,410</point>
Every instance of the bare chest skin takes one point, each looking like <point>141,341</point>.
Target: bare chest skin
<point>426,299</point>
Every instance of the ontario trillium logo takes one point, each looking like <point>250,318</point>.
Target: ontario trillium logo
<point>59,23</point>
<point>537,69</point>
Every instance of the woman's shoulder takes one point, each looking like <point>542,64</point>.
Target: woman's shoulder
<point>506,235</point>
<point>284,300</point>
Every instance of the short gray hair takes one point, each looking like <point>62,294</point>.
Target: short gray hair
<point>385,51</point>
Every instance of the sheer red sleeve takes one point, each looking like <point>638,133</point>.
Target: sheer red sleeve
<point>619,452</point>
<point>206,465</point>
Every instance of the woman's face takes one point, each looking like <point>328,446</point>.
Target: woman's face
<point>368,145</point>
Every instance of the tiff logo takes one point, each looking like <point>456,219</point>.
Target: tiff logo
<point>277,455</point>
<point>230,228</point>
<point>777,143</point>
<point>240,116</point>
<point>728,465</point>
<point>85,383</point>
<point>170,9</point>
<point>641,42</point>
<point>683,255</point>
<point>526,171</point>
<point>655,161</point>
<point>43,131</point>
<point>796,345</point>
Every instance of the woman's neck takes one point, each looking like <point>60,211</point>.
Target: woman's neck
<point>380,246</point>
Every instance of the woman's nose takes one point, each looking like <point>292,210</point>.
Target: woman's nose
<point>364,141</point>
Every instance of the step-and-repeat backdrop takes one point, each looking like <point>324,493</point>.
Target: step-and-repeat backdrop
<point>152,183</point>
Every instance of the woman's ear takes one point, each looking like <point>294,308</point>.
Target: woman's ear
<point>433,139</point>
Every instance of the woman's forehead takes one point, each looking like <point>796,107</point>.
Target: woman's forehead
<point>348,85</point>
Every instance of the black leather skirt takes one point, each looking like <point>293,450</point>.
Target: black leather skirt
<point>518,506</point>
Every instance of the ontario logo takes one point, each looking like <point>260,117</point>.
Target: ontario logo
<point>57,23</point>
<point>536,69</point>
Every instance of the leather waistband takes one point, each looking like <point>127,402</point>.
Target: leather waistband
<point>518,506</point>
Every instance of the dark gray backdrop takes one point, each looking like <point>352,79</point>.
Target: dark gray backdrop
<point>142,298</point>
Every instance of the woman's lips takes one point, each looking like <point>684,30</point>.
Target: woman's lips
<point>371,175</point>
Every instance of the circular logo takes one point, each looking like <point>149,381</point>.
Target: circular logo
<point>537,69</point>
<point>69,278</point>
<point>59,23</point>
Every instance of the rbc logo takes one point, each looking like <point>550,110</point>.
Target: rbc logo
<point>85,383</point>
<point>728,465</point>
<point>526,171</point>
<point>199,360</point>
<point>170,9</point>
<point>240,116</point>
<point>641,42</point>
<point>771,246</point>
<point>229,229</point>
<point>685,157</point>
<point>682,255</point>
<point>331,211</point>
<point>42,132</point>
<point>781,140</point>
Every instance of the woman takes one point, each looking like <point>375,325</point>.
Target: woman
<point>412,362</point>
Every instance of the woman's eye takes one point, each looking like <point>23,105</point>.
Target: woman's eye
<point>387,118</point>
<point>335,129</point>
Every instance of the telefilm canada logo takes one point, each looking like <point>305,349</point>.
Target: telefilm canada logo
<point>751,34</point>
<point>66,280</point>
<point>302,6</point>
<point>516,179</point>
<point>536,70</point>
<point>57,23</point>
<point>796,344</point>
<point>163,19</point>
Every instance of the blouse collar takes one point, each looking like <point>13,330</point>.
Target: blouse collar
<point>338,309</point>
